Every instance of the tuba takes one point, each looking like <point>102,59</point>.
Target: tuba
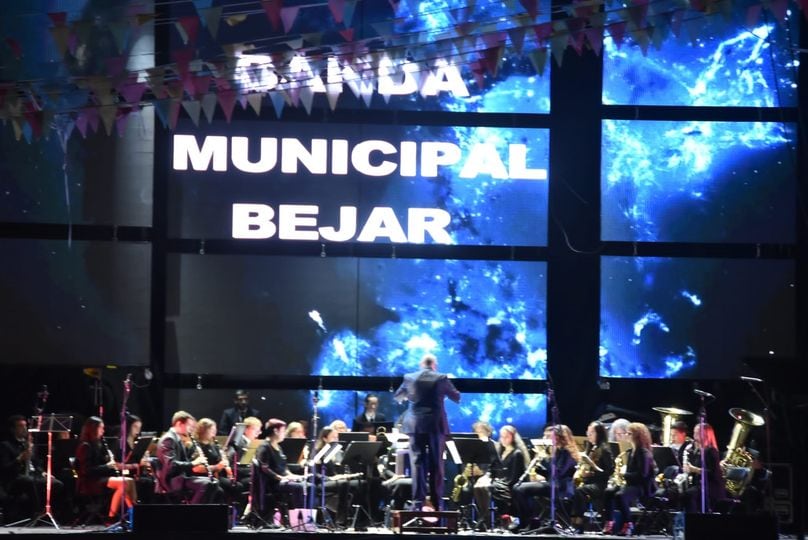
<point>669,416</point>
<point>737,455</point>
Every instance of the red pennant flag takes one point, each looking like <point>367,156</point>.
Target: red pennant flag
<point>583,10</point>
<point>93,117</point>
<point>201,85</point>
<point>577,35</point>
<point>227,101</point>
<point>131,91</point>
<point>531,6</point>
<point>347,34</point>
<point>81,123</point>
<point>190,24</point>
<point>183,57</point>
<point>778,9</point>
<point>479,73</point>
<point>273,10</point>
<point>288,16</point>
<point>337,8</point>
<point>543,31</point>
<point>493,39</point>
<point>492,58</point>
<point>617,31</point>
<point>595,38</point>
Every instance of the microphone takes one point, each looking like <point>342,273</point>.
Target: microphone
<point>702,393</point>
<point>750,379</point>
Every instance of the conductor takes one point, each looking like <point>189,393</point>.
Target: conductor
<point>425,423</point>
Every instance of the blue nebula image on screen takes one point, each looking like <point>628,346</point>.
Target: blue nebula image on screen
<point>527,412</point>
<point>729,64</point>
<point>481,319</point>
<point>696,318</point>
<point>698,181</point>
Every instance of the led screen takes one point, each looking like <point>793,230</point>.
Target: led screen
<point>355,317</point>
<point>525,411</point>
<point>368,61</point>
<point>354,183</point>
<point>713,62</point>
<point>82,304</point>
<point>698,181</point>
<point>693,318</point>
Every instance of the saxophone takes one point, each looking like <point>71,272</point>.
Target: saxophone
<point>617,480</point>
<point>682,480</point>
<point>461,481</point>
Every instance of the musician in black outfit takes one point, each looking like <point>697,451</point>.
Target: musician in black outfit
<point>177,469</point>
<point>524,493</point>
<point>638,481</point>
<point>217,467</point>
<point>239,412</point>
<point>97,470</point>
<point>273,473</point>
<point>590,482</point>
<point>704,443</point>
<point>364,420</point>
<point>21,475</point>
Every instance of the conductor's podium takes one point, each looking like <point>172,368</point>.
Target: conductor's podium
<point>425,522</point>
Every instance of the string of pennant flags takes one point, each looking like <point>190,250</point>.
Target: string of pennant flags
<point>106,92</point>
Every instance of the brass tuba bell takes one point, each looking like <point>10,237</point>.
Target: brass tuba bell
<point>737,456</point>
<point>669,416</point>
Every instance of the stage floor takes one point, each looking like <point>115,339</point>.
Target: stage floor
<point>380,533</point>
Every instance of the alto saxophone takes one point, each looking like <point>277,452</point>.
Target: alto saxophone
<point>617,480</point>
<point>461,481</point>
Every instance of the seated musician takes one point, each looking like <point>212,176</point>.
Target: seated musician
<point>177,470</point>
<point>338,481</point>
<point>673,480</point>
<point>513,458</point>
<point>238,447</point>
<point>217,466</point>
<point>364,421</point>
<point>144,479</point>
<point>591,480</point>
<point>636,482</point>
<point>295,430</point>
<point>97,470</point>
<point>562,460</point>
<point>396,486</point>
<point>273,472</point>
<point>704,444</point>
<point>482,475</point>
<point>22,477</point>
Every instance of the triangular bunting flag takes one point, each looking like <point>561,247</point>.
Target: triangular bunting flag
<point>108,113</point>
<point>121,120</point>
<point>595,38</point>
<point>753,15</point>
<point>192,108</point>
<point>288,16</point>
<point>348,12</point>
<point>617,31</point>
<point>209,106</point>
<point>255,102</point>
<point>227,101</point>
<point>81,124</point>
<point>60,35</point>
<point>538,58</point>
<point>347,34</point>
<point>233,20</point>
<point>517,37</point>
<point>278,102</point>
<point>211,17</point>
<point>337,8</point>
<point>272,8</point>
<point>531,6</point>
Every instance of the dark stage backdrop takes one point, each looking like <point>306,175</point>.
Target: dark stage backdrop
<point>78,304</point>
<point>258,315</point>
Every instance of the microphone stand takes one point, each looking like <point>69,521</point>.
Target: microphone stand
<point>703,452</point>
<point>310,494</point>
<point>768,416</point>
<point>553,527</point>
<point>123,524</point>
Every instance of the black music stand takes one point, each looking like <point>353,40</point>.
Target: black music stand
<point>664,457</point>
<point>475,452</point>
<point>137,453</point>
<point>49,424</point>
<point>361,454</point>
<point>326,455</point>
<point>292,449</point>
<point>354,436</point>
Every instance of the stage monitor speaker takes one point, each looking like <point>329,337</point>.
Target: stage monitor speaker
<point>736,527</point>
<point>180,518</point>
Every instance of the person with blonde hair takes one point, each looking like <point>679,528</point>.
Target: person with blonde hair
<point>639,483</point>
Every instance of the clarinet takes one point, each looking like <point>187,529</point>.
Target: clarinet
<point>110,455</point>
<point>204,458</point>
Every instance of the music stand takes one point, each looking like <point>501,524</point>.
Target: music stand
<point>664,457</point>
<point>137,453</point>
<point>475,452</point>
<point>352,436</point>
<point>49,424</point>
<point>293,448</point>
<point>360,453</point>
<point>326,455</point>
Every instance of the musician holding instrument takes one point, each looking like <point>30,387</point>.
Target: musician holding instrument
<point>480,476</point>
<point>704,444</point>
<point>513,458</point>
<point>97,470</point>
<point>177,469</point>
<point>339,481</point>
<point>274,475</point>
<point>633,483</point>
<point>21,474</point>
<point>537,482</point>
<point>594,469</point>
